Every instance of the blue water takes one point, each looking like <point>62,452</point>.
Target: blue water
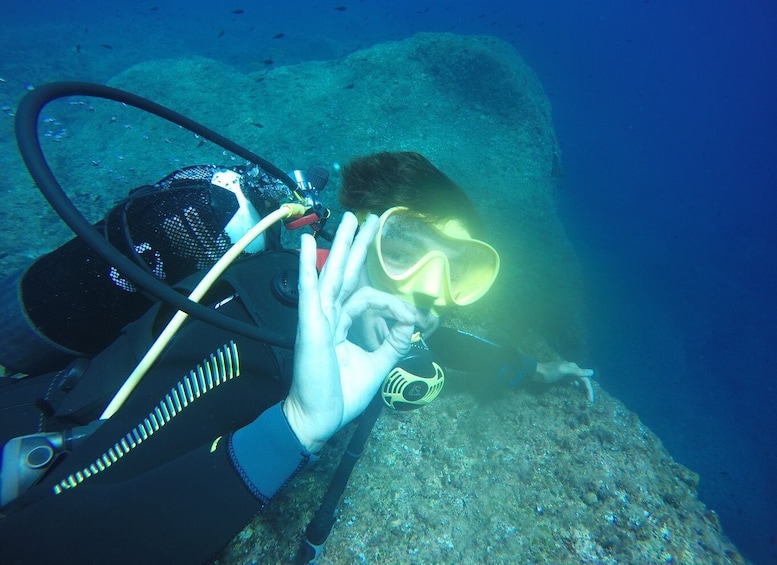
<point>666,115</point>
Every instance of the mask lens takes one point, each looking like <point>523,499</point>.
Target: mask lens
<point>407,238</point>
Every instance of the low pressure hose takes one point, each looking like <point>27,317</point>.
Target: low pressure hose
<point>285,211</point>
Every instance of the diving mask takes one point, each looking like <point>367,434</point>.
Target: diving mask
<point>432,266</point>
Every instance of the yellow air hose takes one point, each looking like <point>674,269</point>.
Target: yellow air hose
<point>284,211</point>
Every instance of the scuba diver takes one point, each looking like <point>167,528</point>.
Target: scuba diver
<point>448,270</point>
<point>220,418</point>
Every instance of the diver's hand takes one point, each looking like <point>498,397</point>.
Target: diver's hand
<point>555,371</point>
<point>334,379</point>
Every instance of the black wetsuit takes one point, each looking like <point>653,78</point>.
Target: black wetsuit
<point>164,496</point>
<point>198,448</point>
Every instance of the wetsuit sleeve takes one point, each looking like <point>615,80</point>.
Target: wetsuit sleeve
<point>466,352</point>
<point>249,448</point>
<point>181,512</point>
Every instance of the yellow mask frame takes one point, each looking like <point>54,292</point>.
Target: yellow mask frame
<point>430,265</point>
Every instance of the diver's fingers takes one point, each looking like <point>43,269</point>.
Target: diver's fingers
<point>310,314</point>
<point>316,375</point>
<point>358,253</point>
<point>331,280</point>
<point>380,303</point>
<point>589,388</point>
<point>383,303</point>
<point>396,345</point>
<point>572,369</point>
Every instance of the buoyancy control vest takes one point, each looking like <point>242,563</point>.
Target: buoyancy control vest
<point>71,302</point>
<point>259,289</point>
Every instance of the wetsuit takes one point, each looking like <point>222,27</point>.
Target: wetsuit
<point>199,447</point>
<point>168,478</point>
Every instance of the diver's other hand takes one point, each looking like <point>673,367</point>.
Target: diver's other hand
<point>334,379</point>
<point>555,371</point>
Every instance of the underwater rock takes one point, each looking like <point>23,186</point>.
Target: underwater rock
<point>502,480</point>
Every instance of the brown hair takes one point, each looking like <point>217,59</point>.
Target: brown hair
<point>374,183</point>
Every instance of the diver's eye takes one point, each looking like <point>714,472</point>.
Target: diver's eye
<point>399,253</point>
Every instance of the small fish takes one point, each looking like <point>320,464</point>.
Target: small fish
<point>267,61</point>
<point>278,35</point>
<point>238,11</point>
<point>348,86</point>
<point>340,8</point>
<point>221,34</point>
<point>106,46</point>
<point>257,125</point>
<point>154,8</point>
